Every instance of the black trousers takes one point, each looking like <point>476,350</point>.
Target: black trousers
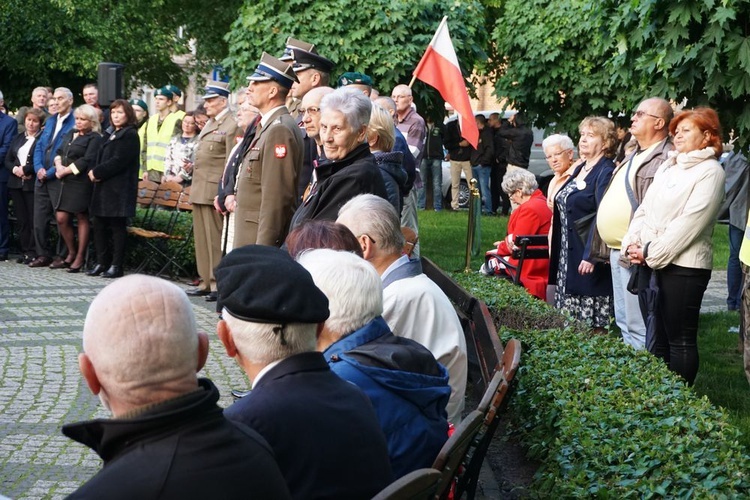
<point>500,200</point>
<point>44,214</point>
<point>110,235</point>
<point>23,203</point>
<point>681,292</point>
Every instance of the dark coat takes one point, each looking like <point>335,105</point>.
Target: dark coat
<point>394,177</point>
<point>11,160</point>
<point>182,448</point>
<point>339,182</point>
<point>8,131</point>
<point>484,155</point>
<point>521,138</point>
<point>117,172</point>
<point>322,429</point>
<point>75,189</point>
<point>452,140</point>
<point>580,204</point>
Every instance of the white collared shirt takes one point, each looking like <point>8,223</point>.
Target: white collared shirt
<point>264,116</point>
<point>265,370</point>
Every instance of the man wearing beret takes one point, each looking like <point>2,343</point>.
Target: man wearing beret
<point>355,80</point>
<point>158,132</point>
<point>267,183</point>
<point>322,429</point>
<point>215,143</point>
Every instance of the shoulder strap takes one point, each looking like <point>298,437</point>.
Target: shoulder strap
<point>628,187</point>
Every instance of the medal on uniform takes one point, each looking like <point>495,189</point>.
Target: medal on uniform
<point>581,184</point>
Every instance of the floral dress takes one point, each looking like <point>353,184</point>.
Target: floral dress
<point>596,311</point>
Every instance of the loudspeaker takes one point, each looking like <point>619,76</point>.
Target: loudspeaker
<point>111,83</point>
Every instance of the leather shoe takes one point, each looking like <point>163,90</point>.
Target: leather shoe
<point>3,257</point>
<point>74,270</point>
<point>239,394</point>
<point>59,264</point>
<point>197,292</point>
<point>113,272</point>
<point>40,261</point>
<point>212,297</point>
<point>96,271</point>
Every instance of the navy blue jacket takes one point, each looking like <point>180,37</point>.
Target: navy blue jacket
<point>580,204</point>
<point>407,387</point>
<point>323,430</point>
<point>8,131</point>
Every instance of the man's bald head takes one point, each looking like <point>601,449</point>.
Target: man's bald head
<point>141,340</point>
<point>650,121</point>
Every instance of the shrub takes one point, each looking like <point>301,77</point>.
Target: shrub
<point>605,420</point>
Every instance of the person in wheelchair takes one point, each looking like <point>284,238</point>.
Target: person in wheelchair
<point>531,216</point>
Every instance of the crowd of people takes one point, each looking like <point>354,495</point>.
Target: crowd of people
<point>630,240</point>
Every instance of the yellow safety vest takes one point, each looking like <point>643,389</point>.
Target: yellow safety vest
<point>158,139</point>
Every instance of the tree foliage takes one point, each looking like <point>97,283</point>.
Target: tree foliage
<point>383,38</point>
<point>62,42</point>
<point>579,57</point>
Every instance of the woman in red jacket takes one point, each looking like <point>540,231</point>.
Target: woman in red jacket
<point>531,216</point>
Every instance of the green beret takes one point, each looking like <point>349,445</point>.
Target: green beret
<point>164,91</point>
<point>352,78</point>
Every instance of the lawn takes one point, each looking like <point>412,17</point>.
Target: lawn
<point>721,377</point>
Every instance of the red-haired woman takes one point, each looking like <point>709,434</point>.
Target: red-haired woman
<point>115,179</point>
<point>671,233</point>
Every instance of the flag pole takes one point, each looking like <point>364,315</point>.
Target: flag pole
<point>445,20</point>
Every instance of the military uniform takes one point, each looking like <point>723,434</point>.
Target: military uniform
<point>214,144</point>
<point>267,183</point>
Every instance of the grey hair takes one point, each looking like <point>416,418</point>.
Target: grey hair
<point>376,217</point>
<point>66,91</point>
<point>90,113</point>
<point>352,285</point>
<point>561,140</point>
<point>386,103</point>
<point>260,344</point>
<point>520,179</point>
<point>353,104</point>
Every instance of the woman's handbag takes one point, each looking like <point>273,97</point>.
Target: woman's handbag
<point>599,250</point>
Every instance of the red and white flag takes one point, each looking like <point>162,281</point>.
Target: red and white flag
<point>439,68</point>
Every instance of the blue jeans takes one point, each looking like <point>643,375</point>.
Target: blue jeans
<point>482,174</point>
<point>734,270</point>
<point>432,175</point>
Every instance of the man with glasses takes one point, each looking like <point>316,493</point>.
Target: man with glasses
<point>267,181</point>
<point>309,113</point>
<point>630,181</point>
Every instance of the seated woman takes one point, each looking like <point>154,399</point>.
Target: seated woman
<point>531,216</point>
<point>315,234</point>
<point>348,168</point>
<point>178,164</point>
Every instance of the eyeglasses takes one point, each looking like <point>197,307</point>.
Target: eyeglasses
<point>641,114</point>
<point>369,238</point>
<point>556,155</point>
<point>312,110</point>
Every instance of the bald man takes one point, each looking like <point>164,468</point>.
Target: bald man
<point>167,438</point>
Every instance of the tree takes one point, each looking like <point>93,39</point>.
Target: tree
<point>579,57</point>
<point>383,38</point>
<point>62,43</point>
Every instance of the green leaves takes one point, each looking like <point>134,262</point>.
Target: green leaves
<point>605,420</point>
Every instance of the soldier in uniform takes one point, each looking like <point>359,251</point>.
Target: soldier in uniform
<point>312,70</point>
<point>215,142</point>
<point>267,183</point>
<point>157,133</point>
<point>292,103</point>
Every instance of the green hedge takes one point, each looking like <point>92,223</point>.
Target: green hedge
<point>604,420</point>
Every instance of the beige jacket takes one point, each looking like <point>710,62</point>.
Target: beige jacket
<point>676,219</point>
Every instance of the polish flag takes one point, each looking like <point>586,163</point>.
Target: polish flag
<point>439,68</point>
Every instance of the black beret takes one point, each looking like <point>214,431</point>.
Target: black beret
<point>264,284</point>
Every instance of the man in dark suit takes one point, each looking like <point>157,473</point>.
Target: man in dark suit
<point>322,429</point>
<point>47,185</point>
<point>215,143</point>
<point>8,130</point>
<point>267,181</point>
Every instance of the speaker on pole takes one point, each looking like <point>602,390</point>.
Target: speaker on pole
<point>111,83</point>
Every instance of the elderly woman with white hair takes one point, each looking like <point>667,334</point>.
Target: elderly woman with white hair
<point>348,168</point>
<point>531,217</point>
<point>559,151</point>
